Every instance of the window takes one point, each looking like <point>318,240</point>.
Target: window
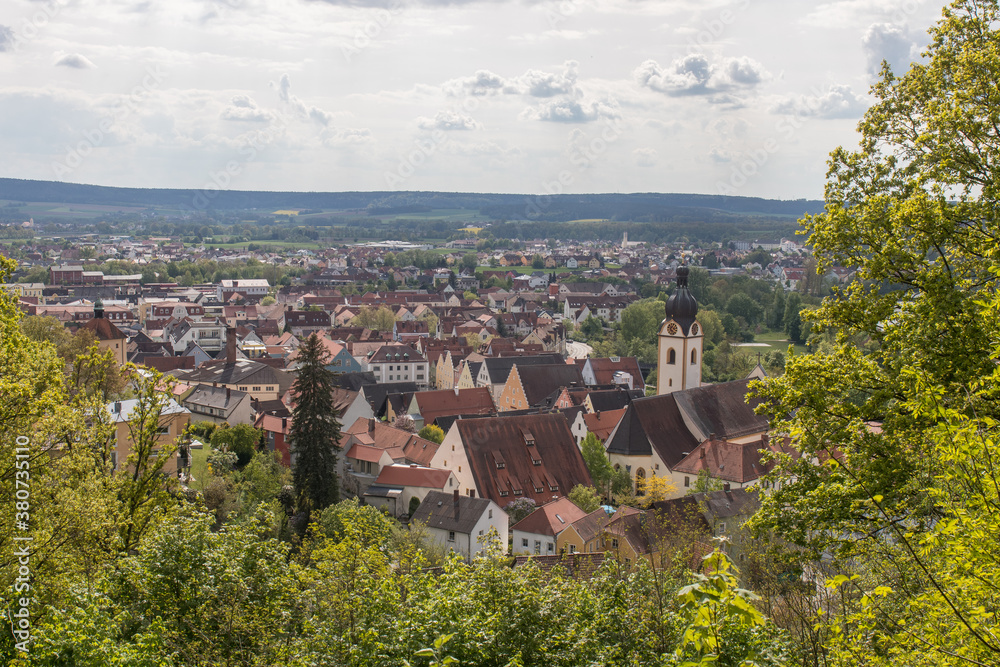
<point>524,542</point>
<point>614,543</point>
<point>451,535</point>
<point>572,548</point>
<point>163,430</point>
<point>490,515</point>
<point>503,494</point>
<point>722,527</point>
<point>480,533</point>
<point>671,356</point>
<point>694,356</point>
<point>687,481</point>
<point>538,546</point>
<point>256,389</point>
<point>550,547</point>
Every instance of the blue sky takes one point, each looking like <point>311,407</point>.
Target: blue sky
<point>740,97</point>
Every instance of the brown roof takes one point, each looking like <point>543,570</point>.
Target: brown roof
<point>551,518</point>
<point>729,461</point>
<point>541,381</point>
<point>412,475</point>
<point>445,402</point>
<point>506,467</point>
<point>104,329</point>
<point>364,452</point>
<point>590,526</point>
<point>722,409</point>
<point>604,369</point>
<point>382,436</point>
<point>602,423</point>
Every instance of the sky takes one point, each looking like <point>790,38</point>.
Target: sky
<point>740,97</point>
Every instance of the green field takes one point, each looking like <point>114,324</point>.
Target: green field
<point>778,340</point>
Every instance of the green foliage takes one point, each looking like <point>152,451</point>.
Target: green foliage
<point>432,432</point>
<point>241,439</point>
<point>597,463</point>
<point>349,520</point>
<point>585,497</point>
<point>520,508</point>
<point>377,319</point>
<point>315,431</point>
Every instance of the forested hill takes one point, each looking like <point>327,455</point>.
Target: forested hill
<point>652,207</point>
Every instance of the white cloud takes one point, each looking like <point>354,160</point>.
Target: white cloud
<point>244,108</point>
<point>303,110</point>
<point>533,83</point>
<point>74,60</point>
<point>891,43</point>
<point>644,157</point>
<point>447,120</point>
<point>837,102</point>
<point>695,74</point>
<point>7,39</point>
<point>571,111</point>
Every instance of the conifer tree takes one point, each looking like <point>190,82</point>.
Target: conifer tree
<point>315,431</point>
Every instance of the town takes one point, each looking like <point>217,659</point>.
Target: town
<point>475,388</point>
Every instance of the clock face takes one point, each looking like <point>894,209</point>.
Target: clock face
<point>694,329</point>
<point>672,328</point>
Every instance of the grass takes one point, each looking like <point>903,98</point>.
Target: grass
<point>778,340</point>
<point>199,468</point>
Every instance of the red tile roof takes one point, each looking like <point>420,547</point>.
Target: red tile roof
<point>551,518</point>
<point>412,475</point>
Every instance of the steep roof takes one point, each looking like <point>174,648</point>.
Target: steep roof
<point>104,329</point>
<point>450,512</point>
<point>604,369</point>
<point>506,467</point>
<point>726,460</point>
<point>499,367</point>
<point>447,402</point>
<point>377,434</point>
<point>412,475</point>
<point>653,422</point>
<point>551,518</point>
<point>721,409</point>
<point>591,525</point>
<point>242,371</point>
<point>538,381</point>
<point>603,423</point>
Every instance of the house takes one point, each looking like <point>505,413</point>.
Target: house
<point>463,524</point>
<point>128,421</point>
<point>612,371</point>
<point>658,432</point>
<point>398,484</point>
<point>538,532</point>
<point>302,323</point>
<point>426,406</point>
<point>109,337</point>
<point>369,445</point>
<point>494,371</point>
<point>719,514</point>
<point>218,405</point>
<point>399,363</point>
<point>523,456</point>
<point>259,380</point>
<point>530,386</point>
<point>736,463</point>
<point>601,424</point>
<point>253,287</point>
<point>584,534</point>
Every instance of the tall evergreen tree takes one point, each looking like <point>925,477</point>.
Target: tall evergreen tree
<point>315,430</point>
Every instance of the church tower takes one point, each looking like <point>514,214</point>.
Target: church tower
<point>680,341</point>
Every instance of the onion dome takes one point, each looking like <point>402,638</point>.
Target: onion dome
<point>682,306</point>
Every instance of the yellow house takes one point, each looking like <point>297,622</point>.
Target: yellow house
<point>512,396</point>
<point>172,421</point>
<point>584,535</point>
<point>109,337</point>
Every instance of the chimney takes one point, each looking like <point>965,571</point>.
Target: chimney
<point>456,504</point>
<point>230,345</point>
<point>229,393</point>
<point>284,423</point>
<point>725,487</point>
<point>371,425</point>
<point>118,406</point>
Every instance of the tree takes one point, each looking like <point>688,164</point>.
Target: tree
<point>900,410</point>
<point>793,318</point>
<point>241,439</point>
<point>432,432</point>
<point>585,497</point>
<point>592,328</point>
<point>597,463</point>
<point>378,319</point>
<point>537,261</point>
<point>520,508</point>
<point>741,305</point>
<point>470,261</point>
<point>315,431</point>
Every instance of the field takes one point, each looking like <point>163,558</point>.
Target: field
<point>776,340</point>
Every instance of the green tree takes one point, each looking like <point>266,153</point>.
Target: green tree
<point>585,497</point>
<point>432,432</point>
<point>900,408</point>
<point>741,305</point>
<point>469,262</point>
<point>537,261</point>
<point>378,319</point>
<point>315,431</point>
<point>793,318</point>
<point>596,460</point>
<point>241,439</point>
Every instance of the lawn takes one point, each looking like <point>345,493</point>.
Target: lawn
<point>778,340</point>
<point>199,468</point>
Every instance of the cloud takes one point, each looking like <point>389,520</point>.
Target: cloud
<point>340,136</point>
<point>695,74</point>
<point>316,114</point>
<point>533,83</point>
<point>838,102</point>
<point>644,157</point>
<point>891,43</point>
<point>243,108</point>
<point>74,60</point>
<point>447,120</point>
<point>7,39</point>
<point>571,111</point>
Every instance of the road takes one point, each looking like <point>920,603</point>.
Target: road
<point>578,350</point>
